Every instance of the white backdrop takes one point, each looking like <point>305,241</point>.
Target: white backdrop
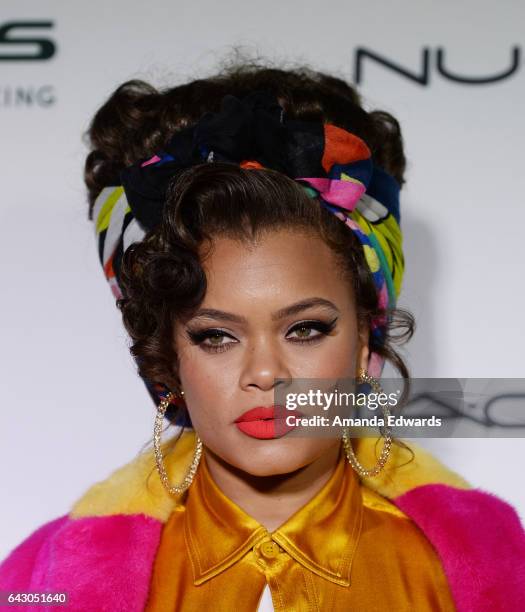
<point>69,388</point>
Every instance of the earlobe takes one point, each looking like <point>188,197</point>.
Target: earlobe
<point>364,351</point>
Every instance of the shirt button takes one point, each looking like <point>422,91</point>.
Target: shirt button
<point>270,549</point>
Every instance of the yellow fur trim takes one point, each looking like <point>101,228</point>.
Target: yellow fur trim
<point>136,487</point>
<point>402,473</point>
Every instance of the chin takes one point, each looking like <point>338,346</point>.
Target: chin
<point>274,457</point>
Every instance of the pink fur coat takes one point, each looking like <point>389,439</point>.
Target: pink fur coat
<point>102,551</point>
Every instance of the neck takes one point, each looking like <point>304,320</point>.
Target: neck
<point>271,500</point>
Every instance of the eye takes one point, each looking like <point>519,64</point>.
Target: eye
<point>211,340</point>
<point>304,329</point>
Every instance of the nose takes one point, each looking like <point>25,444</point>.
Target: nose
<point>263,363</point>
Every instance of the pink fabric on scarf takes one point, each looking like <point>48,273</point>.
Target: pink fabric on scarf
<point>345,194</point>
<point>152,160</point>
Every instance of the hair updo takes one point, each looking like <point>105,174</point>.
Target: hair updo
<point>162,277</point>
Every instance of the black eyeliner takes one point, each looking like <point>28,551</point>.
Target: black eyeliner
<point>196,337</point>
<point>316,324</point>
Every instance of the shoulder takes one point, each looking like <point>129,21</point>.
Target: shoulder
<point>374,502</point>
<point>478,536</point>
<point>406,553</point>
<point>110,534</point>
<point>383,520</point>
<point>429,492</point>
<point>28,557</point>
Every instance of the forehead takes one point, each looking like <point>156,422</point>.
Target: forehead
<point>283,264</point>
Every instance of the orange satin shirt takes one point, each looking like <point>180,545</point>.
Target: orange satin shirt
<point>348,548</point>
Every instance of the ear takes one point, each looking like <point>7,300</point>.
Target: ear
<point>363,352</point>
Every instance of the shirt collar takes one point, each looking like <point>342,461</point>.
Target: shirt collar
<point>322,535</point>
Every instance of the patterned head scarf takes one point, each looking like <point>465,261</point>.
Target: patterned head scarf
<point>333,165</point>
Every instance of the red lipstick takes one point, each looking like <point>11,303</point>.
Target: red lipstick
<point>265,422</point>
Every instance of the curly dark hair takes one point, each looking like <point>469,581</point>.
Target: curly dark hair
<point>162,277</point>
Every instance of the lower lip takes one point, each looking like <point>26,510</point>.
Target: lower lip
<point>265,429</point>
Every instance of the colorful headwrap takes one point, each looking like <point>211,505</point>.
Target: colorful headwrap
<point>332,164</point>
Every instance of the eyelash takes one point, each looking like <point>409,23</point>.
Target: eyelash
<point>199,337</point>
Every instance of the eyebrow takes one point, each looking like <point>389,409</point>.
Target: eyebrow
<point>280,314</point>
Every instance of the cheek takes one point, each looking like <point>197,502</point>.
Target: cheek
<point>208,387</point>
<point>335,357</point>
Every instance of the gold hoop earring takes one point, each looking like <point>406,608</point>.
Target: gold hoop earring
<point>385,452</point>
<point>188,479</point>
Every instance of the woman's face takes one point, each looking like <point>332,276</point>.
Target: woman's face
<point>229,360</point>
